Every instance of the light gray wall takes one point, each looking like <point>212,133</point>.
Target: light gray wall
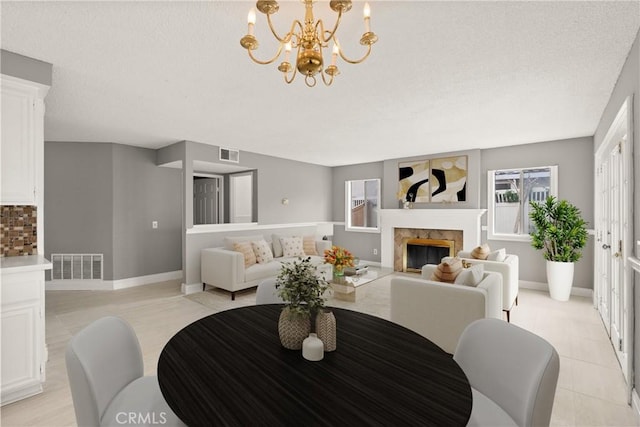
<point>629,84</point>
<point>359,243</point>
<point>142,193</point>
<point>23,67</point>
<point>307,186</point>
<point>574,158</point>
<point>101,198</point>
<point>78,200</point>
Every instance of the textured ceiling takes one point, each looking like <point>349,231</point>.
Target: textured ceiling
<point>444,76</point>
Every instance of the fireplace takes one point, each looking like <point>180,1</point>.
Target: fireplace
<point>418,252</point>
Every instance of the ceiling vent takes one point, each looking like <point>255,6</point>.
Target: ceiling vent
<point>229,155</point>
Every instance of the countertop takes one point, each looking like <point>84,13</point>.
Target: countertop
<point>20,264</point>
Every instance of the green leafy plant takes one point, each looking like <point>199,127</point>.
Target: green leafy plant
<point>511,196</point>
<point>559,230</point>
<point>300,286</point>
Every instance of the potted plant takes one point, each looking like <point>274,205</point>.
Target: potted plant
<point>561,233</point>
<point>302,289</point>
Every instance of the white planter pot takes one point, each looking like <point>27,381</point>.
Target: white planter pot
<point>560,278</point>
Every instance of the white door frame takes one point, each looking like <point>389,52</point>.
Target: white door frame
<point>623,123</point>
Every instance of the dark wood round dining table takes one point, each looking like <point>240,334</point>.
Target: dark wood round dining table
<point>229,369</point>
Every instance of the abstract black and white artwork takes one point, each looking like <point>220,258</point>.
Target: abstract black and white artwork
<point>448,179</point>
<point>413,181</point>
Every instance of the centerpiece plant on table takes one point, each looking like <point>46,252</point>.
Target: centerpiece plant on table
<point>303,291</point>
<point>339,258</point>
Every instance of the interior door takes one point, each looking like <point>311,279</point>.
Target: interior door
<point>612,287</point>
<point>241,198</point>
<point>206,201</point>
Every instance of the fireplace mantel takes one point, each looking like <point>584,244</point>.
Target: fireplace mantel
<point>467,220</point>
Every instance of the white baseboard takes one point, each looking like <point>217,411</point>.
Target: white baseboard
<point>191,288</point>
<point>110,285</point>
<point>544,287</point>
<point>635,404</point>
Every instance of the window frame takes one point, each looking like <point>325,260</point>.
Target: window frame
<point>491,201</point>
<point>347,210</point>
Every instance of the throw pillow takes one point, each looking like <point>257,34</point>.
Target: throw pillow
<point>447,270</point>
<point>471,276</point>
<point>230,241</point>
<point>247,251</point>
<point>481,252</point>
<point>498,255</point>
<point>309,245</point>
<point>277,246</point>
<point>292,246</point>
<point>263,251</point>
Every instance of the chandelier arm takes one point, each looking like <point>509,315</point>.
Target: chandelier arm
<point>288,35</point>
<point>324,79</point>
<point>293,76</point>
<point>320,24</point>
<point>268,61</point>
<point>356,61</point>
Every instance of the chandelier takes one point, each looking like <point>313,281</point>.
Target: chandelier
<point>309,40</point>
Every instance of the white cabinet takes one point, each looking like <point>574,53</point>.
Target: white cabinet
<point>22,143</point>
<point>23,350</point>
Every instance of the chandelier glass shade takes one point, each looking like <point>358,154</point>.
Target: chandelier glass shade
<point>308,40</point>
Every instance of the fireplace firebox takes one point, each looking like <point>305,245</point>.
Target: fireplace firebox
<point>418,252</point>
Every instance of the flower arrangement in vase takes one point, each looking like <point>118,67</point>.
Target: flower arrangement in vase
<point>303,291</point>
<point>339,258</point>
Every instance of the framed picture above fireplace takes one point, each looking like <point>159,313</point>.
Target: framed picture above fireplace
<point>439,180</point>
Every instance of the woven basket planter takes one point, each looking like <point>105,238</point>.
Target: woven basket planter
<point>293,329</point>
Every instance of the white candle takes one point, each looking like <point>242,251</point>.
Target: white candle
<point>367,17</point>
<point>334,54</point>
<point>287,51</point>
<point>251,19</point>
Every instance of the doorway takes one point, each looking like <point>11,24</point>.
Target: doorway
<point>207,199</point>
<point>614,198</point>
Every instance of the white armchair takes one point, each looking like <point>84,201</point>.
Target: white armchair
<point>441,311</point>
<point>509,269</point>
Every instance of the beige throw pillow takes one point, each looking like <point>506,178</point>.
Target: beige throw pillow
<point>247,251</point>
<point>481,252</point>
<point>309,245</point>
<point>447,270</point>
<point>263,251</point>
<point>292,246</point>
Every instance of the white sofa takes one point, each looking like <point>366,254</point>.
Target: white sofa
<point>509,269</point>
<point>441,311</point>
<point>224,268</point>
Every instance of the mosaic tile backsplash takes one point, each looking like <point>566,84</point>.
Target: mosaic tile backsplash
<point>18,231</point>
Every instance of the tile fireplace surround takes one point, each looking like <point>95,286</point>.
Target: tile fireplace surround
<point>465,220</point>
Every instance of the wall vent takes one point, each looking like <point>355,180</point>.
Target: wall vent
<point>77,266</point>
<point>229,155</point>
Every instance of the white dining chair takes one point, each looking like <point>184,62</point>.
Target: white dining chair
<point>513,374</point>
<point>267,293</point>
<point>106,376</point>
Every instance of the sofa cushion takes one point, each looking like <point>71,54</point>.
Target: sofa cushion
<point>247,252</point>
<point>292,246</point>
<point>229,241</point>
<point>481,252</point>
<point>498,255</point>
<point>263,251</point>
<point>471,276</point>
<point>262,271</point>
<point>309,245</point>
<point>447,270</point>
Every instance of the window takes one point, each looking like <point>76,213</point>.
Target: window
<point>509,193</point>
<point>362,205</point>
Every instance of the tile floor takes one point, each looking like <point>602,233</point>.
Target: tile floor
<point>591,390</point>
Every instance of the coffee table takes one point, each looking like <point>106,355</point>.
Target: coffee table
<point>350,288</point>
